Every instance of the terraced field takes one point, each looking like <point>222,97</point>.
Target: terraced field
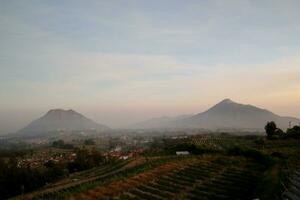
<point>217,175</point>
<point>209,177</point>
<point>290,149</point>
<point>221,142</point>
<point>88,179</point>
<point>76,180</point>
<point>285,147</point>
<point>292,190</point>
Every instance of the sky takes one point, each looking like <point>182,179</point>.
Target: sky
<point>119,62</point>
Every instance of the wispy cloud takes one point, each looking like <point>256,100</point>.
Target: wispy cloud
<point>148,56</point>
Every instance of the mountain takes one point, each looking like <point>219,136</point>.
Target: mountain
<point>61,120</point>
<point>158,122</point>
<point>231,115</point>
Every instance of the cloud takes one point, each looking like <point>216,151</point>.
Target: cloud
<point>145,57</point>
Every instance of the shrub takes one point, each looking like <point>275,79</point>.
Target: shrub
<point>252,153</point>
<point>293,132</point>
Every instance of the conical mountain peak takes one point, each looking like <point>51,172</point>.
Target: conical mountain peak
<point>60,119</point>
<point>225,101</point>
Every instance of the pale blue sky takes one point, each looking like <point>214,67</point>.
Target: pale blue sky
<point>147,58</point>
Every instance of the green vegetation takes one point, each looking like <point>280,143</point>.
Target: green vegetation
<point>112,172</point>
<point>62,144</point>
<point>220,166</point>
<point>270,129</point>
<point>275,133</point>
<point>258,156</point>
<point>16,179</point>
<point>85,159</point>
<point>89,142</point>
<point>293,132</point>
<point>208,178</point>
<point>270,185</point>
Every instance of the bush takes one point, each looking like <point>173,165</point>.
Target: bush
<point>85,159</point>
<point>252,153</point>
<point>61,144</point>
<point>293,132</point>
<point>89,142</point>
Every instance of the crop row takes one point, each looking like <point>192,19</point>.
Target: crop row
<point>219,143</point>
<point>210,181</point>
<point>85,180</point>
<point>230,184</point>
<point>114,172</point>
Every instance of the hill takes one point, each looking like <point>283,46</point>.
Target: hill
<point>61,120</point>
<point>228,114</point>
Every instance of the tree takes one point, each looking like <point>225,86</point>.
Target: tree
<point>279,133</point>
<point>89,142</point>
<point>49,164</point>
<point>58,143</point>
<point>86,159</point>
<point>270,129</point>
<point>293,132</point>
<point>61,144</point>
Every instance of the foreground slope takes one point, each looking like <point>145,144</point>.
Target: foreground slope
<point>161,177</point>
<point>59,119</point>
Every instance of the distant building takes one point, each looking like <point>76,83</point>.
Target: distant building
<point>124,157</point>
<point>182,153</point>
<point>118,149</point>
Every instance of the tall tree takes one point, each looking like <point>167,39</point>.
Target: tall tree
<point>270,129</point>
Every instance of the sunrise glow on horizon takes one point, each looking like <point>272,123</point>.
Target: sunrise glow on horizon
<point>121,62</point>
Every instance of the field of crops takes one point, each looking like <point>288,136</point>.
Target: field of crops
<point>220,143</point>
<point>76,181</point>
<point>290,150</point>
<point>214,175</point>
<point>89,179</point>
<point>203,177</point>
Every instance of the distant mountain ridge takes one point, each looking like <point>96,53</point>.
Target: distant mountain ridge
<point>59,119</point>
<point>228,114</point>
<point>158,122</point>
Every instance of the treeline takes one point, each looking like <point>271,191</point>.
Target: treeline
<point>15,180</point>
<point>14,153</point>
<point>294,132</point>
<point>86,159</point>
<point>61,144</point>
<point>273,132</point>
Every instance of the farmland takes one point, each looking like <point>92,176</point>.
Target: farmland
<point>223,167</point>
<point>208,177</point>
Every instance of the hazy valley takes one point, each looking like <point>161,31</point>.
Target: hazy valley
<point>149,100</point>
